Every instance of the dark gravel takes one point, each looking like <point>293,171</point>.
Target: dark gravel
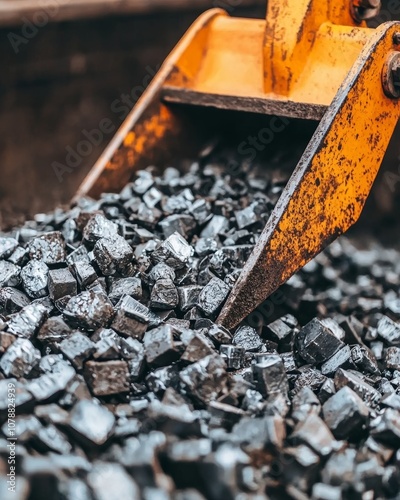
<point>126,388</point>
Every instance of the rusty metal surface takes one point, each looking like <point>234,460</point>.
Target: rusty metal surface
<point>329,187</point>
<point>306,111</point>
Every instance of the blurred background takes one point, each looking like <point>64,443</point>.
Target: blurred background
<point>69,64</point>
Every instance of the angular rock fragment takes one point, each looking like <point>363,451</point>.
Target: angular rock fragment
<point>20,358</point>
<point>27,321</point>
<point>12,300</point>
<point>99,227</point>
<point>143,182</point>
<point>342,359</point>
<point>80,254</point>
<point>61,283</point>
<point>164,295</point>
<point>364,359</point>
<point>303,469</point>
<point>48,248</point>
<point>224,415</point>
<point>77,348</point>
<point>345,413</point>
<point>159,346</point>
<point>387,429</point>
<point>125,286</point>
<point>197,346</point>
<point>131,318</point>
<point>327,390</point>
<point>233,356</point>
<point>218,334</point>
<point>247,337</point>
<point>305,403</point>
<point>289,361</point>
<point>19,256</point>
<point>91,422</point>
<point>34,278</point>
<point>9,274</point>
<point>6,339</point>
<point>135,355</point>
<point>389,330</point>
<point>392,358</point>
<point>205,379</point>
<point>279,330</point>
<point>113,255</point>
<point>217,225</point>
<point>50,438</point>
<point>161,379</point>
<point>84,273</point>
<point>174,251</point>
<point>259,434</point>
<point>107,377</point>
<point>270,375</point>
<point>183,224</point>
<point>89,310</point>
<point>366,392</point>
<point>188,296</point>
<point>316,343</point>
<point>50,384</point>
<point>314,433</point>
<point>54,330</point>
<point>7,247</point>
<point>309,377</point>
<point>391,400</point>
<point>110,480</point>
<point>107,344</point>
<point>206,246</point>
<point>161,271</point>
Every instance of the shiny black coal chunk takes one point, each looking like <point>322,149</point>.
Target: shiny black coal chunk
<point>316,343</point>
<point>345,413</point>
<point>12,300</point>
<point>164,295</point>
<point>160,346</point>
<point>34,278</point>
<point>61,283</point>
<point>107,377</point>
<point>77,348</point>
<point>19,359</point>
<point>99,227</point>
<point>174,251</point>
<point>125,286</point>
<point>89,310</point>
<point>113,255</point>
<point>131,318</point>
<point>247,337</point>
<point>48,248</point>
<point>28,320</point>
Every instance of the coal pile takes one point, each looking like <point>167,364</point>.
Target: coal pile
<point>125,387</point>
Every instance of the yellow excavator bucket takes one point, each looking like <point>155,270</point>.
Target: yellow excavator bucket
<point>310,59</point>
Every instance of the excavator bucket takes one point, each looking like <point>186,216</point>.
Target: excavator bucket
<point>310,59</point>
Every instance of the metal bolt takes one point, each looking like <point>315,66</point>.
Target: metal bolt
<point>391,75</point>
<point>396,38</point>
<point>362,10</point>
